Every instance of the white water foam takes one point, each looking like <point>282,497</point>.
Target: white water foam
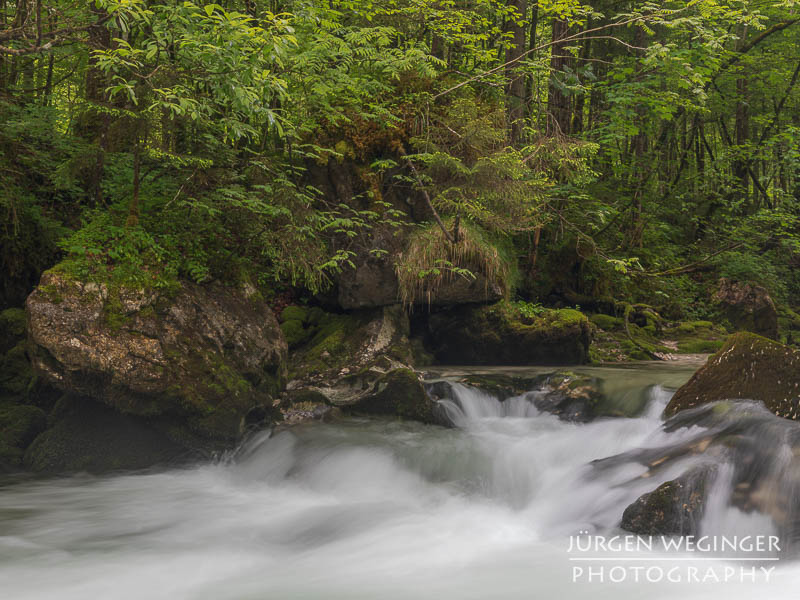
<point>361,509</point>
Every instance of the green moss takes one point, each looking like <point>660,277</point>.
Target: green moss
<point>294,313</point>
<point>19,425</point>
<point>699,346</point>
<point>316,316</point>
<point>295,333</point>
<point>12,322</point>
<point>114,313</point>
<point>606,322</point>
<point>16,373</point>
<point>51,293</point>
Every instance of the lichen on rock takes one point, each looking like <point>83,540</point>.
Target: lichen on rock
<point>203,356</point>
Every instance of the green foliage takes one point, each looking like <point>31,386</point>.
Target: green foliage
<point>154,142</point>
<point>529,310</point>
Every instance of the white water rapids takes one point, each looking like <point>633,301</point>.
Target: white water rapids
<point>360,509</point>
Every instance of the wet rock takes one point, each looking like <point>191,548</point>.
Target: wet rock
<point>738,449</point>
<point>571,397</point>
<point>500,334</point>
<point>747,307</point>
<point>94,438</point>
<point>399,393</point>
<point>673,508</point>
<point>748,366</point>
<point>503,386</point>
<point>202,357</point>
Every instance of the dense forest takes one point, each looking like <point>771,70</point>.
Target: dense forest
<point>565,153</point>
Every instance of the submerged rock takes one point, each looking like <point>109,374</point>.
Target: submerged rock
<point>501,335</point>
<point>201,358</point>
<point>748,366</point>
<point>747,307</point>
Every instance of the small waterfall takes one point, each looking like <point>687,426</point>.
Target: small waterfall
<point>465,404</point>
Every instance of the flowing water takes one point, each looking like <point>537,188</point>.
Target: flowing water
<point>370,508</point>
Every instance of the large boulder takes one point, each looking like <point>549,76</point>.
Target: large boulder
<point>747,307</point>
<point>750,367</point>
<point>201,357</point>
<point>500,334</point>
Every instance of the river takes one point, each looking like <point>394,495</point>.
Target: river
<point>369,509</point>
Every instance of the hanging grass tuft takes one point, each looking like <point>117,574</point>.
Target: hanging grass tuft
<point>431,261</point>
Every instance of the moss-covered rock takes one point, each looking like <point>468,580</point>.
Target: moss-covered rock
<point>295,333</point>
<point>202,357</point>
<point>19,425</point>
<point>503,386</point>
<point>17,376</point>
<point>359,362</point>
<point>12,328</point>
<point>294,313</point>
<point>747,307</point>
<point>606,322</point>
<point>699,346</point>
<point>501,334</point>
<point>748,366</point>
<point>344,344</point>
<point>94,438</point>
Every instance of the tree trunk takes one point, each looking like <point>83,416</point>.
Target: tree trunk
<point>515,77</point>
<point>558,102</point>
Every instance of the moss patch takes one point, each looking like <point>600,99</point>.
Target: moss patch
<point>503,334</point>
<point>12,323</point>
<point>294,313</point>
<point>606,322</point>
<point>295,333</point>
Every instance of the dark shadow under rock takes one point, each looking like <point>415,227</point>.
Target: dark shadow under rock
<point>91,437</point>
